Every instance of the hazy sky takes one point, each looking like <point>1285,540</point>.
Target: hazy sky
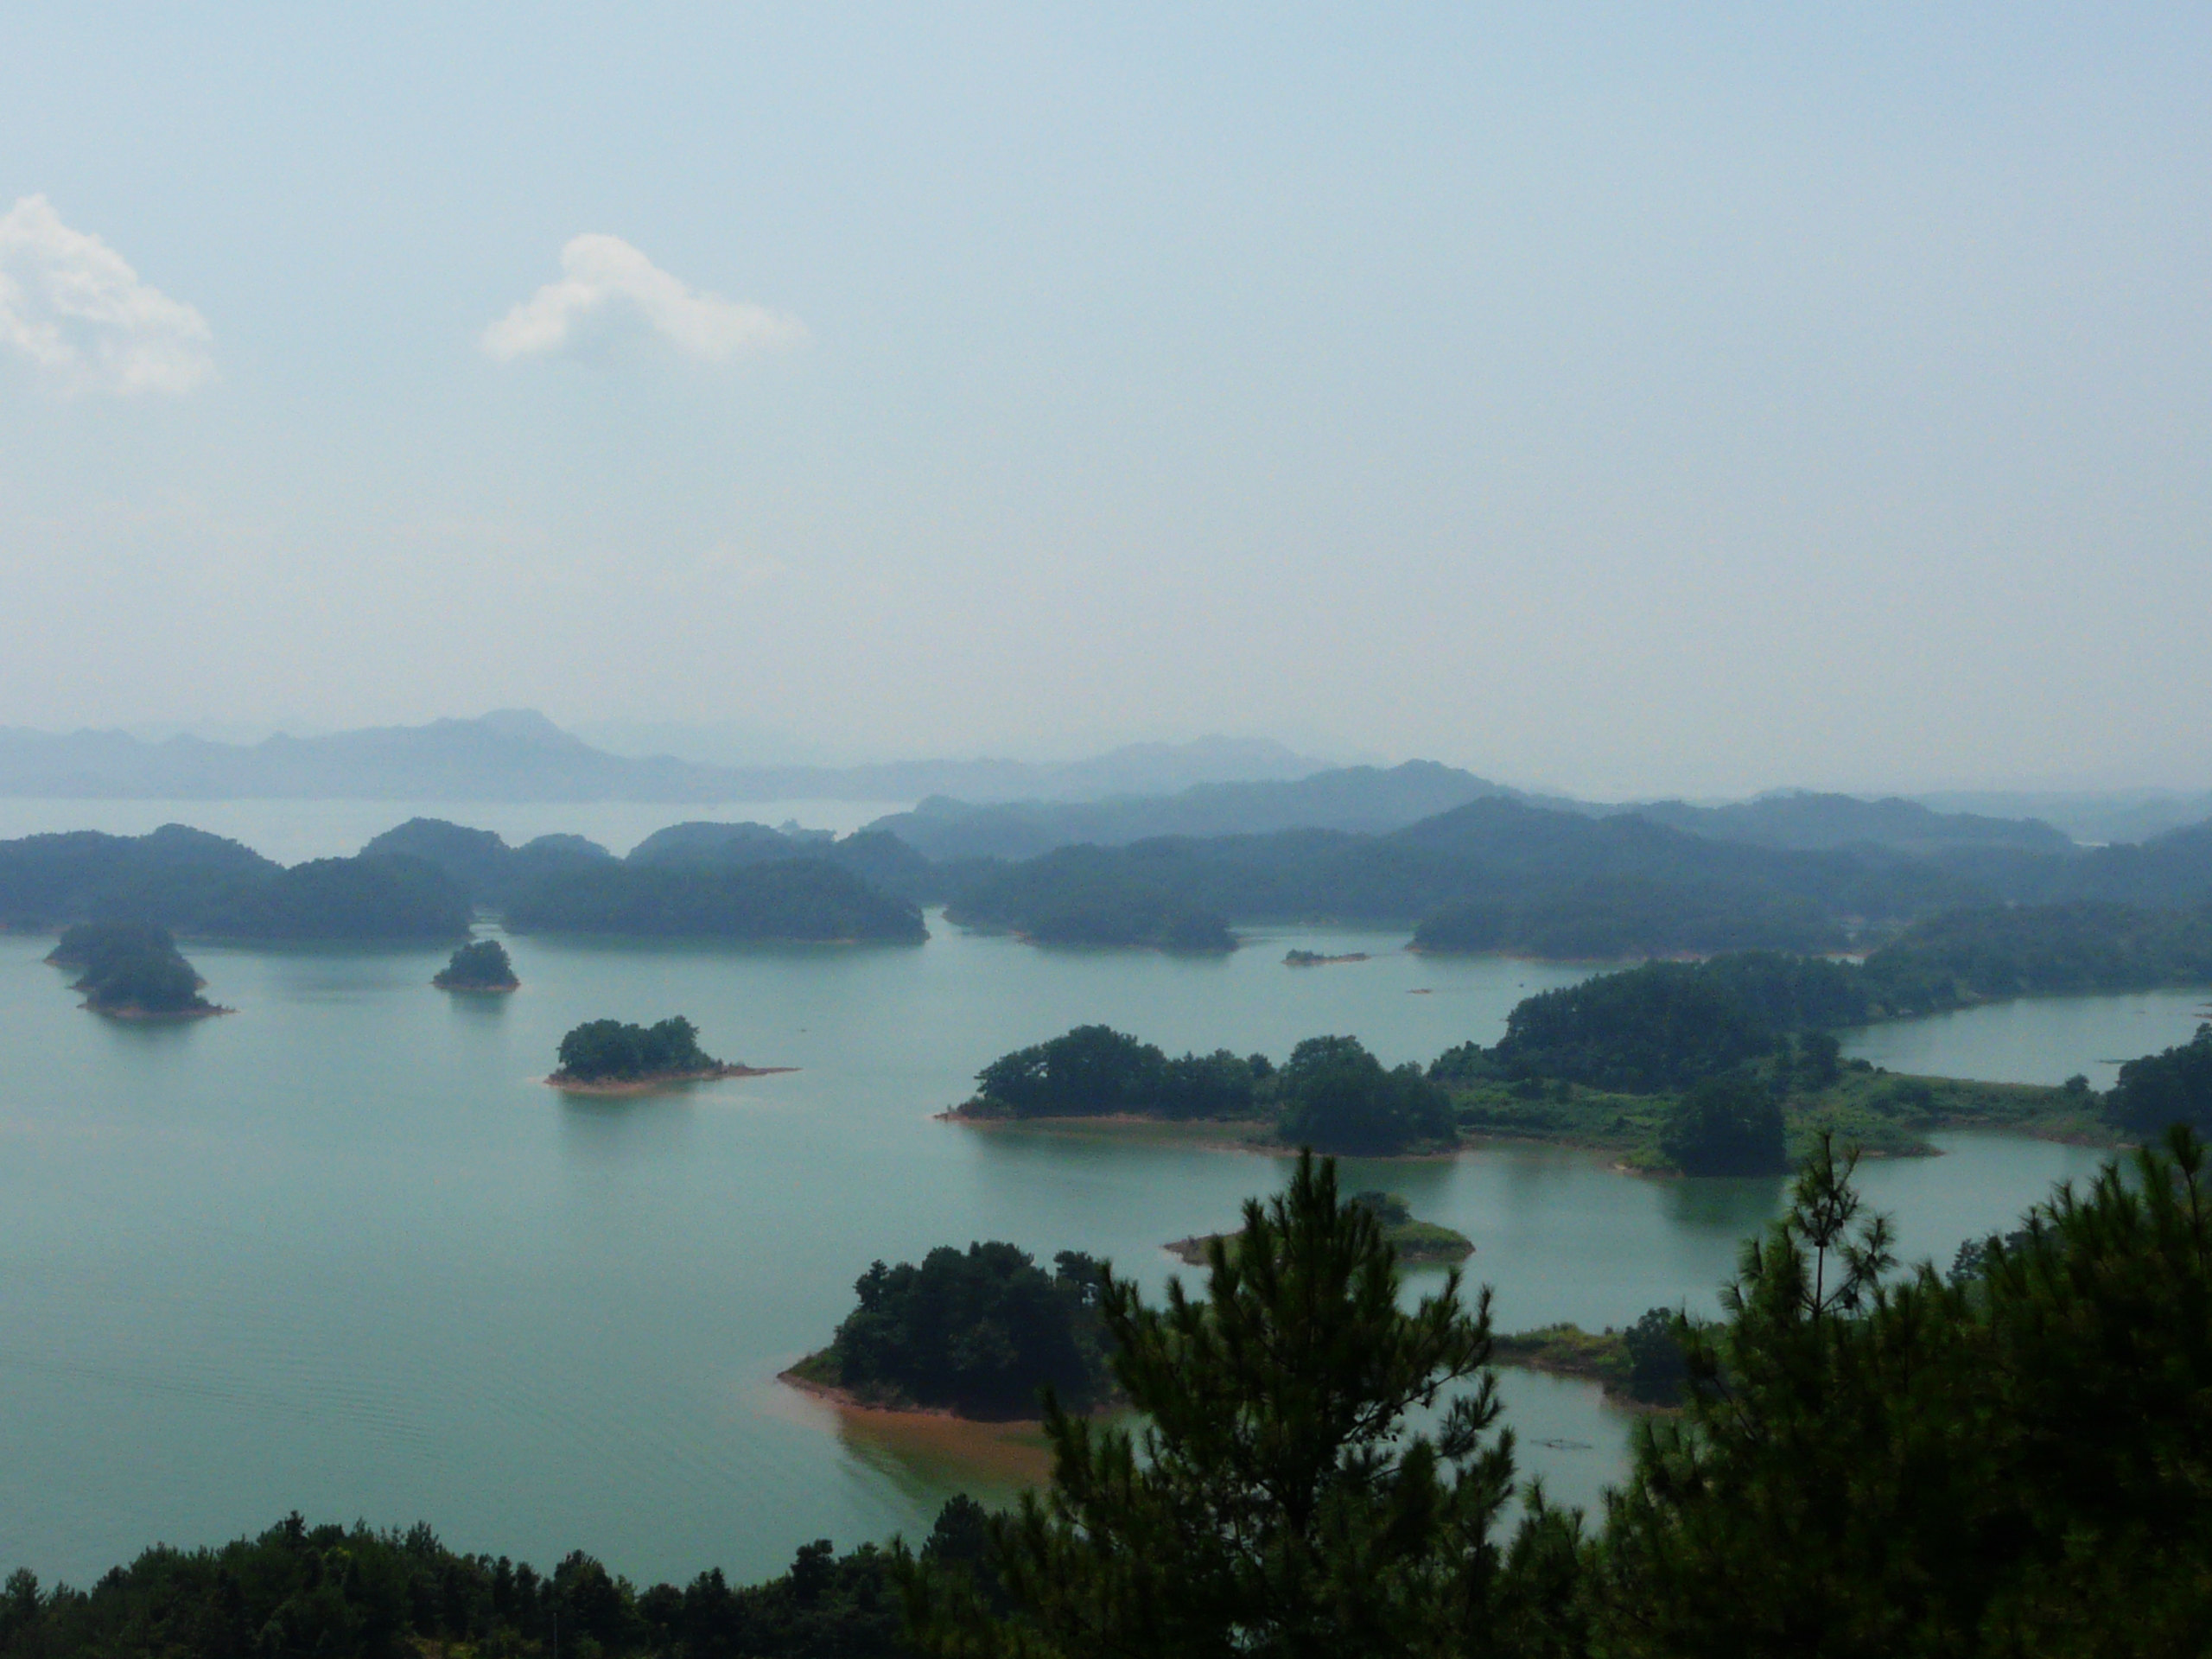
<point>1622,399</point>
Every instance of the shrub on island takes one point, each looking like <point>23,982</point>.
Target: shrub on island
<point>609,1052</point>
<point>1337,1097</point>
<point>482,966</point>
<point>981,1332</point>
<point>131,968</point>
<point>1727,1125</point>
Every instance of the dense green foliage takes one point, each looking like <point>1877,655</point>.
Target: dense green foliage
<point>798,899</point>
<point>1726,1125</point>
<point>981,1332</point>
<point>337,1592</point>
<point>1095,1071</point>
<point>2013,1462</point>
<point>1663,1026</point>
<point>1337,1097</point>
<point>2160,1090</point>
<point>608,1050</point>
<point>482,965</point>
<point>1280,1499</point>
<point>1332,1095</point>
<point>130,968</point>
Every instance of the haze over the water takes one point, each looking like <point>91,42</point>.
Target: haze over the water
<point>1622,399</point>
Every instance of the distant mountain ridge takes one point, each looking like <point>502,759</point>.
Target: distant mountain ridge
<point>1372,800</point>
<point>517,755</point>
<point>1369,799</point>
<point>1809,821</point>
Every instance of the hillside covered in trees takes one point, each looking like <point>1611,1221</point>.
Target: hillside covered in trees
<point>795,899</point>
<point>1503,875</point>
<point>203,885</point>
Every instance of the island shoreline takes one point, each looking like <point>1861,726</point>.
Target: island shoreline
<point>664,1080</point>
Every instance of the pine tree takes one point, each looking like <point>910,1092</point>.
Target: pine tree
<point>1280,1500</point>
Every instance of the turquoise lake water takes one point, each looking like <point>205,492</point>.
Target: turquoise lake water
<point>341,1251</point>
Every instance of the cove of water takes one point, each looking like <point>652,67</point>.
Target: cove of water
<point>342,1251</point>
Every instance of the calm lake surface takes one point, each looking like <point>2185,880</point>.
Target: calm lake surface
<point>343,1252</point>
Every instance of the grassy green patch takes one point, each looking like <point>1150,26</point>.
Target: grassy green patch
<point>1885,1113</point>
<point>1566,1351</point>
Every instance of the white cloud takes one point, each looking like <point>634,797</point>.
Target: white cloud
<point>72,306</point>
<point>605,273</point>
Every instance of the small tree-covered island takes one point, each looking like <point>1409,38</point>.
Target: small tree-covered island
<point>132,971</point>
<point>605,1056</point>
<point>985,1334</point>
<point>1412,1241</point>
<point>483,966</point>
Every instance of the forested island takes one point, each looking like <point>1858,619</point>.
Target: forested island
<point>1317,959</point>
<point>482,966</point>
<point>606,1057</point>
<point>1512,877</point>
<point>1411,1242</point>
<point>980,1333</point>
<point>204,886</point>
<point>1726,1067</point>
<point>1330,1094</point>
<point>132,971</point>
<point>794,900</point>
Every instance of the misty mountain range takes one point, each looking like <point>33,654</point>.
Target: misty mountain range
<point>1004,808</point>
<point>520,755</point>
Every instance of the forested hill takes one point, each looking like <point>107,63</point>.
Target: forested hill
<point>1802,819</point>
<point>200,884</point>
<point>1504,876</point>
<point>1374,801</point>
<point>1370,799</point>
